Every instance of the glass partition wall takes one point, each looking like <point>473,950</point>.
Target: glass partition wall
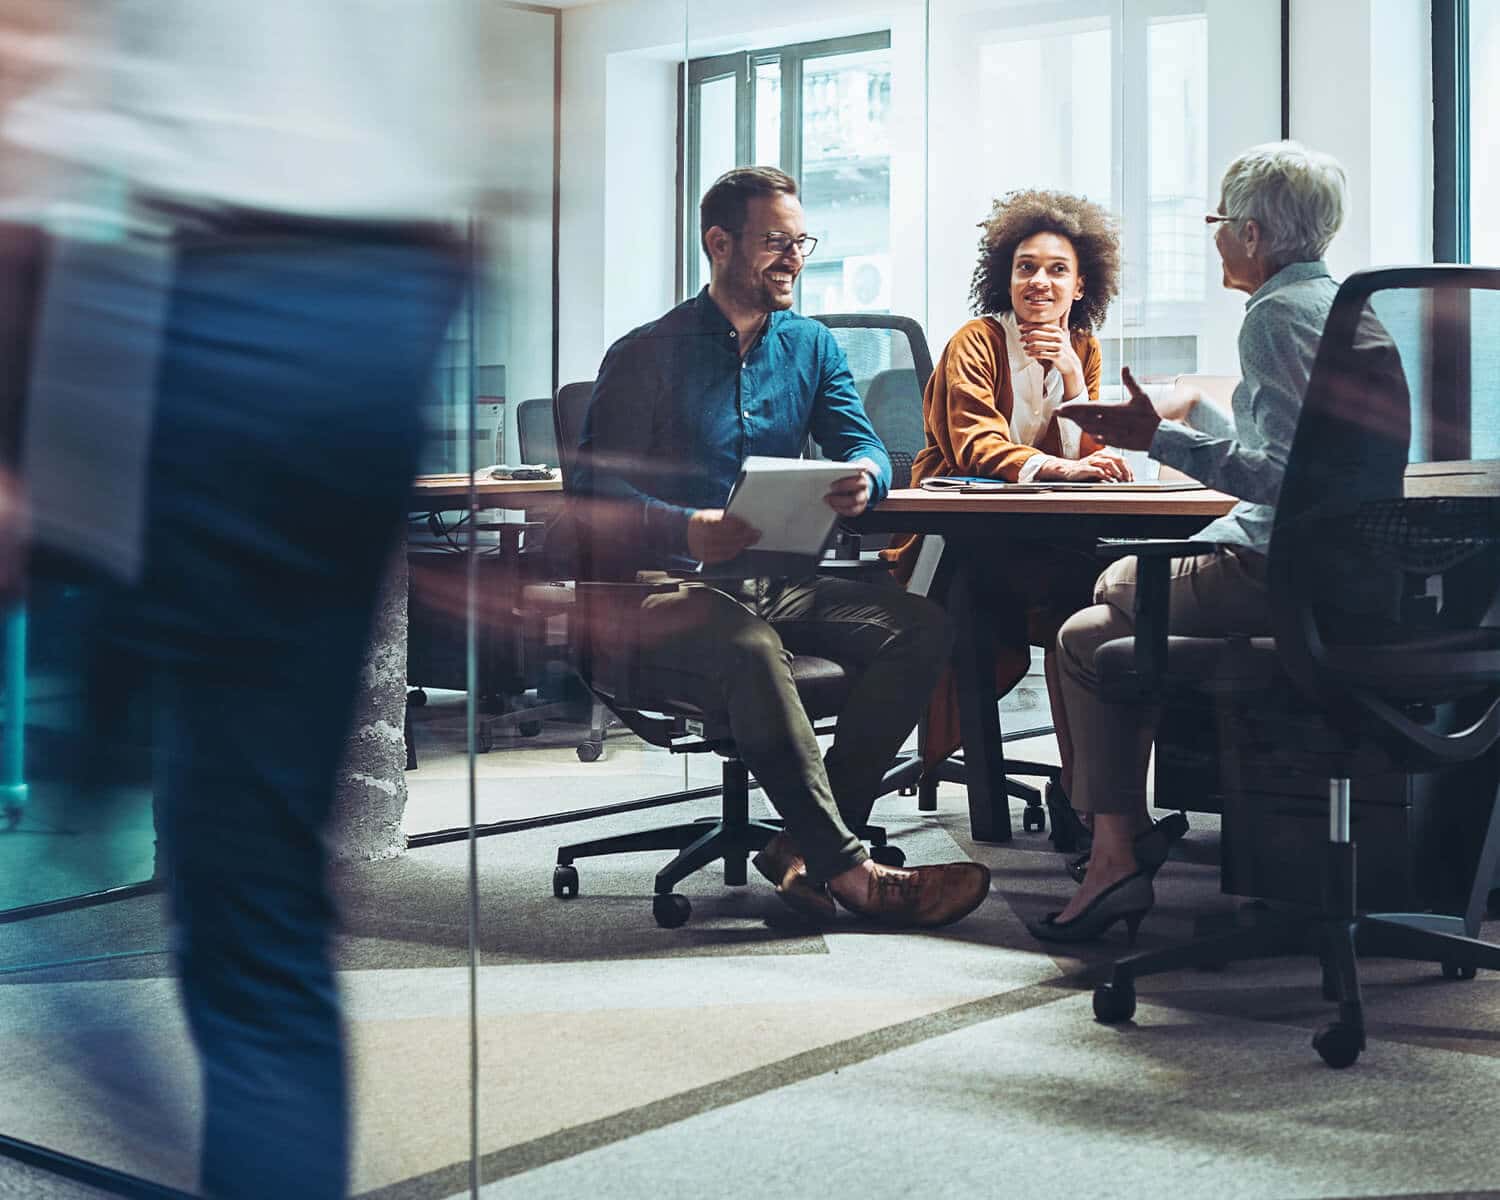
<point>902,122</point>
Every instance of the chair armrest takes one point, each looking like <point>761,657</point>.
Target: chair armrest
<point>609,612</point>
<point>1153,600</point>
<point>1113,548</point>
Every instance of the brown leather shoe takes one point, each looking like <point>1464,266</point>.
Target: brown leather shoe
<point>923,897</point>
<point>785,868</point>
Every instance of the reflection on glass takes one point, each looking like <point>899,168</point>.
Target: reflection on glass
<point>1166,250</point>
<point>1484,214</point>
<point>1055,85</point>
<point>846,181</point>
<point>77,813</point>
<point>1484,157</point>
<point>716,123</point>
<point>767,152</point>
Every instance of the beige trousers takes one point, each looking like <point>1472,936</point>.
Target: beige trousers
<point>1211,595</point>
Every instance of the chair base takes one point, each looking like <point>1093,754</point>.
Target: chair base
<point>1334,935</point>
<point>732,837</point>
<point>952,770</point>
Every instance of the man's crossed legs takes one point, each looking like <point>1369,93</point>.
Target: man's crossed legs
<point>730,650</point>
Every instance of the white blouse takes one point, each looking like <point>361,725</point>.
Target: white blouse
<point>1037,392</point>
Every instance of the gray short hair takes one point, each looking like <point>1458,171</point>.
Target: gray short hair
<point>1294,194</point>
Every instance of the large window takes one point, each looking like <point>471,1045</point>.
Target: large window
<point>1466,204</point>
<point>820,111</point>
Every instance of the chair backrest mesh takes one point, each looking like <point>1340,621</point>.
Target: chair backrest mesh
<point>536,432</point>
<point>890,362</point>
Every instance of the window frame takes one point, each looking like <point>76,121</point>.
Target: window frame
<point>742,65</point>
<point>1450,131</point>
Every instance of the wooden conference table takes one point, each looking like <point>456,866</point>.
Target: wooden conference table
<point>976,526</point>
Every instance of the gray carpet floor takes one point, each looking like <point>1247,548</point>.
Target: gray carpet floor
<point>747,1053</point>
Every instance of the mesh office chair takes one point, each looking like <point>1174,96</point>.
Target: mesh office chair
<point>535,433</point>
<point>1384,646</point>
<point>891,364</point>
<point>648,709</point>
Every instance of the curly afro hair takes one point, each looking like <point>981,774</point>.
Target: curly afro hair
<point>1017,216</point>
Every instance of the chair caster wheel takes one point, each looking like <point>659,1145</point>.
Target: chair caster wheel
<point>671,910</point>
<point>1453,970</point>
<point>1338,1044</point>
<point>1114,1003</point>
<point>416,698</point>
<point>589,751</point>
<point>889,856</point>
<point>565,881</point>
<point>1034,820</point>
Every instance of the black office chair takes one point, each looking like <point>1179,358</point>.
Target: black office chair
<point>1381,656</point>
<point>891,364</point>
<point>535,433</point>
<point>648,709</point>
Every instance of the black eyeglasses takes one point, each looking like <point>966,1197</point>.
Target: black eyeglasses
<point>1214,218</point>
<point>780,243</point>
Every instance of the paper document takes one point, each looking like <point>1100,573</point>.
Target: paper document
<point>784,498</point>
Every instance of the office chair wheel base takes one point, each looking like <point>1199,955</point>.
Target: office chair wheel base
<point>417,698</point>
<point>1453,970</point>
<point>671,910</point>
<point>1034,820</point>
<point>529,728</point>
<point>1338,1044</point>
<point>888,856</point>
<point>1114,1003</point>
<point>565,882</point>
<point>589,751</point>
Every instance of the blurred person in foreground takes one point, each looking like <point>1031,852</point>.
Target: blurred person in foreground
<point>679,405</point>
<point>1049,267</point>
<point>1280,206</point>
<point>242,274</point>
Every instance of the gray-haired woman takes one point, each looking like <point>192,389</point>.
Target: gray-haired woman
<point>1280,205</point>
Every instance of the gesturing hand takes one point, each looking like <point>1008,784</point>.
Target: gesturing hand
<point>715,536</point>
<point>850,495</point>
<point>1101,464</point>
<point>1130,425</point>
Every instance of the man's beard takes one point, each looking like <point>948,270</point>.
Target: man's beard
<point>751,289</point>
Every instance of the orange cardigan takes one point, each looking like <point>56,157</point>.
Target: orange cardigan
<point>966,412</point>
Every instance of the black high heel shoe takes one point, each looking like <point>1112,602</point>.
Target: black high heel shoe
<point>1151,846</point>
<point>1069,833</point>
<point>1128,900</point>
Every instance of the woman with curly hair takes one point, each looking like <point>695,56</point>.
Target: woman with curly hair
<point>1049,265</point>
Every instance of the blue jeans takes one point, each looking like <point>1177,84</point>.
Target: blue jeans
<point>285,440</point>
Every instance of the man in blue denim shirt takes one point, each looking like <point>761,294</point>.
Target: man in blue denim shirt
<point>678,406</point>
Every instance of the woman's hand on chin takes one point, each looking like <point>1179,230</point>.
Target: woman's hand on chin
<point>1051,343</point>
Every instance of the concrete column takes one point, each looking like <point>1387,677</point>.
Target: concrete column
<point>371,795</point>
